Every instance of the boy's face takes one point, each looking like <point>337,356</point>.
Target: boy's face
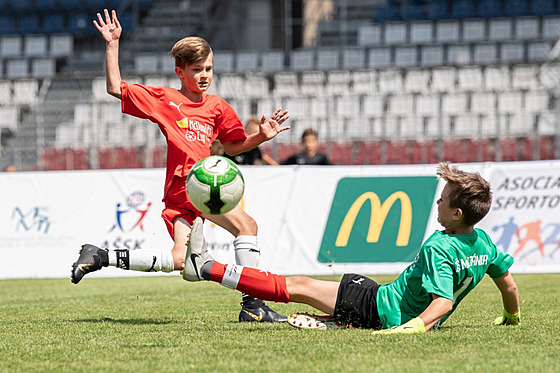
<point>447,216</point>
<point>310,144</point>
<point>197,78</point>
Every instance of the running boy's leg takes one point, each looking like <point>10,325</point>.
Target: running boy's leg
<point>247,253</point>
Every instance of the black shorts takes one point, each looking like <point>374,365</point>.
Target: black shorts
<point>356,303</point>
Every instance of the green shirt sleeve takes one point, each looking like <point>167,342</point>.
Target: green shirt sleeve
<point>500,264</point>
<point>437,272</point>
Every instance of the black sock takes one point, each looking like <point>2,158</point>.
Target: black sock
<point>104,257</point>
<point>205,270</point>
<point>250,302</point>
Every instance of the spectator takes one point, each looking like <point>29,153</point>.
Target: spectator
<point>309,154</point>
<point>10,168</point>
<point>253,156</point>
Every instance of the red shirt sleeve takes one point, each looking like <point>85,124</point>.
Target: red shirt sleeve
<point>139,100</point>
<point>228,125</point>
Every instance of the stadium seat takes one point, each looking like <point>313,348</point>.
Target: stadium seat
<point>53,23</point>
<point>527,28</point>
<point>454,104</point>
<point>463,8</point>
<point>231,86</point>
<point>500,29</point>
<point>542,7</point>
<point>489,8</point>
<point>515,8</point>
<point>379,57</point>
<point>427,105</point>
<point>299,107</point>
<point>28,24</point>
<point>485,54</point>
<point>390,81</point>
<point>546,123</point>
<point>95,5</point>
<point>369,35</point>
<point>10,46</point>
<point>522,123</point>
<point>401,105</point>
<point>453,151</point>
<point>437,9</point>
<point>80,23</point>
<point>52,160</point>
<point>483,103</point>
<point>416,81</point>
<point>459,55</point>
<point>146,63</point>
<point>538,51</point>
<point>465,125</point>
<point>537,101</point>
<point>302,59</point>
<point>106,158</point>
<point>78,159</point>
<point>313,83</point>
<point>21,5</point>
<point>412,9</point>
<point>406,56</point>
<point>373,106</point>
<point>474,30</point>
<point>364,81</point>
<point>386,11</point>
<point>5,92</point>
<point>318,108</point>
<point>256,85</point>
<point>524,77</point>
<point>395,33</point>
<point>353,58</point>
<point>6,24</point>
<point>328,59</point>
<point>338,82</point>
<point>497,78</point>
<point>46,5</point>
<point>510,150</point>
<point>67,135</point>
<point>223,61</point>
<point>273,60</point>
<point>286,84</point>
<point>512,52</point>
<point>61,45</point>
<point>510,102</point>
<point>357,127</point>
<point>35,45</point>
<point>443,79</point>
<point>159,81</point>
<point>551,27</point>
<point>470,79</point>
<point>247,61</point>
<point>68,5</point>
<point>9,116</point>
<point>347,106</point>
<point>17,68</point>
<point>397,152</point>
<point>421,32</point>
<point>447,31</point>
<point>43,68</point>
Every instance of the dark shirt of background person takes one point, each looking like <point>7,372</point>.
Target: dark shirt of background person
<point>253,156</point>
<point>309,154</point>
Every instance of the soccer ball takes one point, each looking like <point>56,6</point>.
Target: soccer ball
<point>215,185</point>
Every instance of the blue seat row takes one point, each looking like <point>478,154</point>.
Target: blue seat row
<point>49,23</point>
<point>393,10</point>
<point>64,5</point>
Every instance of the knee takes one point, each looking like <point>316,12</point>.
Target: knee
<point>247,226</point>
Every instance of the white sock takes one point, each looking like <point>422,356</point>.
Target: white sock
<point>247,251</point>
<point>142,260</point>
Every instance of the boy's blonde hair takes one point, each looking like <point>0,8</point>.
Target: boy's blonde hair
<point>470,192</point>
<point>191,50</point>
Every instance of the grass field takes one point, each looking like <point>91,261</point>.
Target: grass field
<point>166,324</point>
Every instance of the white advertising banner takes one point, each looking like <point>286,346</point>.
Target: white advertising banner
<point>312,220</point>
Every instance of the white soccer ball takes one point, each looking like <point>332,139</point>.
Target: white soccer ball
<point>215,185</point>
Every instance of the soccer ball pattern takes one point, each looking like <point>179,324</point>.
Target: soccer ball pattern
<point>215,185</point>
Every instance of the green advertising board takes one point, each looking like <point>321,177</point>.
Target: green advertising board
<point>377,219</point>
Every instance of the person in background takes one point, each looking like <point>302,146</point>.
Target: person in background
<point>10,168</point>
<point>309,154</point>
<point>253,156</point>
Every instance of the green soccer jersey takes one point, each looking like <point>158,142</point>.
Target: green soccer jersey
<point>447,265</point>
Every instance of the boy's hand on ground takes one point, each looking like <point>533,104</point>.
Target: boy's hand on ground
<point>413,326</point>
<point>508,319</point>
<point>110,28</point>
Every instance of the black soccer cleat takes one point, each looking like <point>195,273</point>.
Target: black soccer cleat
<point>260,313</point>
<point>91,259</point>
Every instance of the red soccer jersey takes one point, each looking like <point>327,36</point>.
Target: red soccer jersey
<point>189,127</point>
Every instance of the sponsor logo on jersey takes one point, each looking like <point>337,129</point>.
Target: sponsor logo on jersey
<point>377,219</point>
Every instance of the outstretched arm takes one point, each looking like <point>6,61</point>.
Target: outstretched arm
<point>510,299</point>
<point>268,129</point>
<point>111,30</point>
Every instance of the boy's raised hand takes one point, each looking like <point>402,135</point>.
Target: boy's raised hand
<point>110,28</point>
<point>272,126</point>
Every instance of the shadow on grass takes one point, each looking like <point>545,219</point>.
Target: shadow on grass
<point>125,321</point>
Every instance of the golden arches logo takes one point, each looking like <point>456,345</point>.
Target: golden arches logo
<point>379,213</point>
<point>183,123</point>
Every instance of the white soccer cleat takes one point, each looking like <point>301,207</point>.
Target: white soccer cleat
<point>197,253</point>
<point>319,322</point>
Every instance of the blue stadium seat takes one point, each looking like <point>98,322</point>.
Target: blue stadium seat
<point>489,8</point>
<point>6,24</point>
<point>80,23</point>
<point>46,5</point>
<point>516,8</point>
<point>97,5</point>
<point>412,9</point>
<point>463,9</point>
<point>126,20</point>
<point>145,4</point>
<point>542,7</point>
<point>21,5</point>
<point>71,4</point>
<point>115,4</point>
<point>53,23</point>
<point>438,9</point>
<point>3,5</point>
<point>28,24</point>
<point>386,12</point>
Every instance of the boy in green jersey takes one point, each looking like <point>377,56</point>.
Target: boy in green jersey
<point>448,266</point>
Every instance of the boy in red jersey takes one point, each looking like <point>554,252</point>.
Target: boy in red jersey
<point>191,120</point>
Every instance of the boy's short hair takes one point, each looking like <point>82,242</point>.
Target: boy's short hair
<point>470,192</point>
<point>308,132</point>
<point>191,50</point>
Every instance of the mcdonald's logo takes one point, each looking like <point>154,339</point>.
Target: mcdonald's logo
<point>379,213</point>
<point>377,219</point>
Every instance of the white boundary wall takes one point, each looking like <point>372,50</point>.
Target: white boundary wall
<point>46,216</point>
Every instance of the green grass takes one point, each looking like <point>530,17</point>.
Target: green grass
<point>167,324</point>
